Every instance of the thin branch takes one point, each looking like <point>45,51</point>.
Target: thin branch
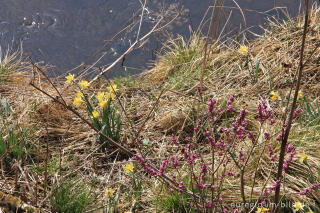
<point>40,70</point>
<point>293,107</point>
<point>141,18</point>
<point>130,49</point>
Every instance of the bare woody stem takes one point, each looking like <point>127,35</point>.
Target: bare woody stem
<point>293,106</point>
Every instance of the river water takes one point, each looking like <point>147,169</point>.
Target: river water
<point>66,33</point>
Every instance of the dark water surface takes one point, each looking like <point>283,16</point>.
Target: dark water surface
<point>65,33</point>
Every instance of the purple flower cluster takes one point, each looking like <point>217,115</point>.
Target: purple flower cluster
<point>241,155</point>
<point>265,192</point>
<point>272,121</point>
<point>147,168</point>
<point>296,113</point>
<point>197,127</point>
<point>203,171</point>
<point>200,185</point>
<point>272,155</point>
<point>229,104</point>
<point>240,124</point>
<point>280,136</point>
<point>190,158</point>
<point>251,137</point>
<point>175,141</point>
<point>289,149</point>
<point>211,104</point>
<point>276,185</point>
<point>212,141</point>
<point>309,189</point>
<point>163,167</point>
<point>263,112</point>
<point>267,136</point>
<point>211,205</point>
<point>175,162</point>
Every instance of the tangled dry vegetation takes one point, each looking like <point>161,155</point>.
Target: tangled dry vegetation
<point>66,147</point>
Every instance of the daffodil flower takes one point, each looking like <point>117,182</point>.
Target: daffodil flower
<point>129,168</point>
<point>83,84</point>
<point>79,95</point>
<point>103,103</point>
<point>77,101</point>
<point>303,157</point>
<point>298,206</point>
<point>100,96</point>
<point>109,192</point>
<point>113,88</point>
<point>299,94</point>
<point>274,95</point>
<point>262,210</point>
<point>110,95</point>
<point>243,49</point>
<point>70,79</point>
<point>95,114</point>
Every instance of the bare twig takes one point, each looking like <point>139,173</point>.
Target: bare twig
<point>293,107</point>
<point>131,48</point>
<point>148,116</point>
<point>141,18</point>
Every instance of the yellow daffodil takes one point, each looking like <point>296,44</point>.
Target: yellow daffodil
<point>298,206</point>
<point>113,88</point>
<point>77,101</point>
<point>243,49</point>
<point>303,157</point>
<point>110,95</point>
<point>103,103</point>
<point>262,210</point>
<point>83,84</point>
<point>109,192</point>
<point>95,114</point>
<point>299,94</point>
<point>127,212</point>
<point>309,211</point>
<point>79,95</point>
<point>129,168</point>
<point>100,96</point>
<point>70,79</point>
<point>274,95</point>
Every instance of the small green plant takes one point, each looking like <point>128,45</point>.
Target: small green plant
<point>5,109</point>
<point>254,73</point>
<point>311,116</point>
<point>4,71</point>
<point>16,141</point>
<point>53,165</point>
<point>177,202</point>
<point>14,144</point>
<point>174,201</point>
<point>71,198</point>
